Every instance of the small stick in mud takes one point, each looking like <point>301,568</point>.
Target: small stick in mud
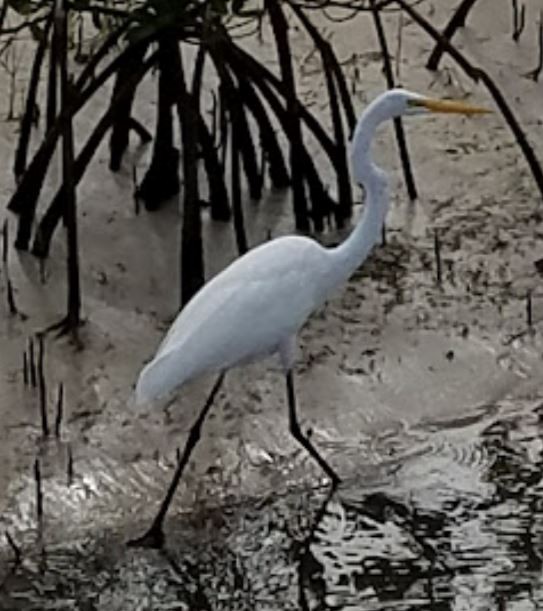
<point>11,298</point>
<point>70,467</point>
<point>135,190</point>
<point>5,250</point>
<point>398,125</point>
<point>60,409</point>
<point>518,20</point>
<point>529,317</point>
<point>437,252</point>
<point>384,235</point>
<point>39,494</point>
<point>32,362</point>
<point>25,368</point>
<point>16,549</point>
<point>42,388</point>
<point>534,74</point>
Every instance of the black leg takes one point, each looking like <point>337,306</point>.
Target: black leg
<point>154,537</point>
<point>299,436</point>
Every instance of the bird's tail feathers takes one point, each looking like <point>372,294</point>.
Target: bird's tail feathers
<point>157,379</point>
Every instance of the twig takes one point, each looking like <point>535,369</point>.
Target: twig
<point>237,204</point>
<point>534,74</point>
<point>32,362</point>
<point>16,549</point>
<point>398,125</point>
<point>11,297</point>
<point>70,466</point>
<point>437,252</point>
<point>25,368</point>
<point>519,20</point>
<point>5,242</point>
<point>529,317</point>
<point>42,388</point>
<point>60,409</point>
<point>458,20</point>
<point>478,74</point>
<point>39,494</point>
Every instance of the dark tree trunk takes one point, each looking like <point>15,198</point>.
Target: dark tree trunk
<point>458,20</point>
<point>244,139</point>
<point>322,205</point>
<point>21,153</point>
<point>120,134</point>
<point>293,127</point>
<point>345,196</point>
<point>69,184</point>
<point>161,182</point>
<point>237,204</point>
<point>218,195</point>
<point>335,81</point>
<point>223,124</point>
<point>479,74</point>
<point>192,254</point>
<point>398,125</point>
<point>110,41</point>
<point>327,50</point>
<point>52,79</point>
<point>243,63</point>
<point>3,13</point>
<point>279,175</point>
<point>24,200</point>
<point>52,216</point>
<point>278,171</point>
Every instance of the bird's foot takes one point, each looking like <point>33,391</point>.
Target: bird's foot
<point>335,481</point>
<point>152,539</point>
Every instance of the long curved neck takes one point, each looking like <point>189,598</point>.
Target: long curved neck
<point>349,255</point>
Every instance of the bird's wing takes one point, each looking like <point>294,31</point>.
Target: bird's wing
<point>240,315</point>
<point>201,309</point>
<point>266,267</point>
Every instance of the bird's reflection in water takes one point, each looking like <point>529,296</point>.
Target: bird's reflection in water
<point>375,551</point>
<point>475,552</point>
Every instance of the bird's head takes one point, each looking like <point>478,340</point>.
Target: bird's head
<point>401,102</point>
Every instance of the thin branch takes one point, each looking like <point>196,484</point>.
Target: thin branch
<point>519,20</point>
<point>478,74</point>
<point>534,74</point>
<point>398,125</point>
<point>458,20</point>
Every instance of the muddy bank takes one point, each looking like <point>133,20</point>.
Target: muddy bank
<point>422,393</point>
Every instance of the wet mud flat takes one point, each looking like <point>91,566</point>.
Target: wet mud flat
<point>427,399</point>
<point>454,520</point>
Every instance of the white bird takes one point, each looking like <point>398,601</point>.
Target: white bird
<point>256,306</point>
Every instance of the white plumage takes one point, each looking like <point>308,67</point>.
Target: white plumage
<point>240,316</point>
<point>256,306</point>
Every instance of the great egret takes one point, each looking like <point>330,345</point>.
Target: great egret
<point>256,306</point>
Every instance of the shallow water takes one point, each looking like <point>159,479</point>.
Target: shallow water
<point>452,520</point>
<point>427,399</point>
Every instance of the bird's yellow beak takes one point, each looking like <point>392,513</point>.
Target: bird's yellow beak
<point>448,106</point>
